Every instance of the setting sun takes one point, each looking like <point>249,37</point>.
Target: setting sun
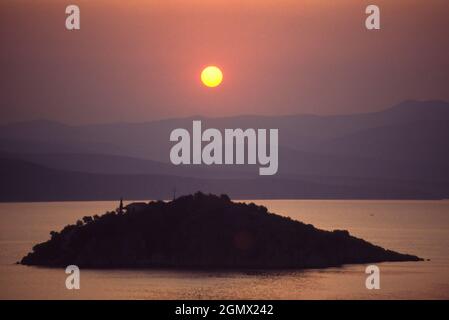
<point>211,76</point>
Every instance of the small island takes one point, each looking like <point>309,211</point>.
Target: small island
<point>202,231</point>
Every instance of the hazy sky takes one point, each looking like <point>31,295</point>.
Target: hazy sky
<point>141,60</point>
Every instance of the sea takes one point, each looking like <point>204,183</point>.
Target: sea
<point>415,227</point>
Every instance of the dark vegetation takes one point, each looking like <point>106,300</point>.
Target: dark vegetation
<point>202,231</point>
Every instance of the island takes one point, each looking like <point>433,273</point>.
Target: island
<point>202,231</point>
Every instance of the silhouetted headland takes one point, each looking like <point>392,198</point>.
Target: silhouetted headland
<point>202,231</point>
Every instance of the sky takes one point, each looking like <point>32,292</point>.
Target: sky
<point>141,60</point>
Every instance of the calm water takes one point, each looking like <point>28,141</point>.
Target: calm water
<point>416,227</point>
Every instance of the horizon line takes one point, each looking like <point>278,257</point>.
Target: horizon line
<point>202,117</point>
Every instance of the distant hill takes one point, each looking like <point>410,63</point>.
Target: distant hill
<point>111,164</point>
<point>146,140</point>
<point>202,231</point>
<point>395,153</point>
<point>424,142</point>
<point>25,181</point>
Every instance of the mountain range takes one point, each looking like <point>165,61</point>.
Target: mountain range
<point>400,152</point>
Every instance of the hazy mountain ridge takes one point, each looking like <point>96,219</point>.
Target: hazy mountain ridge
<point>145,140</point>
<point>400,152</point>
<point>24,181</point>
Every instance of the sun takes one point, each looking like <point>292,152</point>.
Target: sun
<point>211,76</point>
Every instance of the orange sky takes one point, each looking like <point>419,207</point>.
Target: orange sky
<point>141,60</point>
